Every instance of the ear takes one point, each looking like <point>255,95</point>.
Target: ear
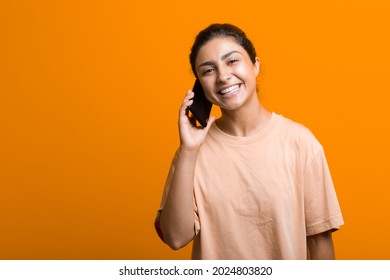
<point>256,66</point>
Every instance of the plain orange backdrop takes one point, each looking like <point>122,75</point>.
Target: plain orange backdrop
<point>89,98</point>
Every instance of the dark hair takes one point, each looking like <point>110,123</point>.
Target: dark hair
<point>221,30</point>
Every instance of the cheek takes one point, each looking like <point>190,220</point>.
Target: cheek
<point>246,74</point>
<point>209,95</point>
<point>208,89</point>
<point>245,71</point>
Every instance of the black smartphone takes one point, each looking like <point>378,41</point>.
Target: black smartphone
<point>201,107</point>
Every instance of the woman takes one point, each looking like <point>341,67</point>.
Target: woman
<point>252,184</point>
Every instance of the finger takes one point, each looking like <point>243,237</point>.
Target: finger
<point>184,110</point>
<point>184,107</point>
<point>190,117</point>
<point>186,102</point>
<point>189,96</point>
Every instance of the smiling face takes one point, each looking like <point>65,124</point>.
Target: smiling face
<point>227,74</point>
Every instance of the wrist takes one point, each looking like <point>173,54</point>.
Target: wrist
<point>183,149</point>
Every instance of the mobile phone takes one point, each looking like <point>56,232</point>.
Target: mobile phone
<point>201,107</point>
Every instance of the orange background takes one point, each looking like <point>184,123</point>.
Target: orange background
<point>89,98</point>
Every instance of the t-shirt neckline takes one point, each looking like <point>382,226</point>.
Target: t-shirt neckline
<point>223,136</point>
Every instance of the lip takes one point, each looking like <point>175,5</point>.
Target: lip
<point>232,93</point>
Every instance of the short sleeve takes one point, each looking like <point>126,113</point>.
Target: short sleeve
<point>322,210</point>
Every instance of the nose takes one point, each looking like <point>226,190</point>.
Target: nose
<point>224,75</point>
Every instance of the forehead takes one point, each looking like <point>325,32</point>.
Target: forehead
<point>217,47</point>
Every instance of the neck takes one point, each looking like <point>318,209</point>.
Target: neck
<point>245,121</point>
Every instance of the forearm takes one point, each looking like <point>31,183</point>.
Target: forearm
<point>177,218</point>
<point>321,246</point>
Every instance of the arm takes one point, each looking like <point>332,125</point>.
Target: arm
<point>321,246</point>
<point>177,218</point>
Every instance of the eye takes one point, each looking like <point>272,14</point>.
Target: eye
<point>207,71</point>
<point>233,60</point>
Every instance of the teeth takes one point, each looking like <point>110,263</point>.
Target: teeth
<point>229,89</point>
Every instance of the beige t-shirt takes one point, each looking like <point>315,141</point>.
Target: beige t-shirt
<point>258,197</point>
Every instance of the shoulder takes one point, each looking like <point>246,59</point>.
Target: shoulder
<point>300,135</point>
<point>296,129</point>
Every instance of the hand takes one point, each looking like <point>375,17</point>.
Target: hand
<point>191,136</point>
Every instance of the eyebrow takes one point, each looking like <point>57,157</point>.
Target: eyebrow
<point>222,58</point>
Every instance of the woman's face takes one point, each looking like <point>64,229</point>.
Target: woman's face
<point>226,72</point>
